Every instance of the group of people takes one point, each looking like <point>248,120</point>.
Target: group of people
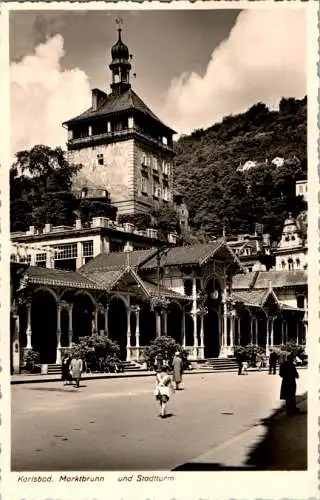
<point>71,370</point>
<point>287,371</point>
<point>167,381</point>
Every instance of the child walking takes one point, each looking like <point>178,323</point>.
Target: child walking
<point>164,388</point>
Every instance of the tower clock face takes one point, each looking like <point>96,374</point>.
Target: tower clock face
<point>214,295</point>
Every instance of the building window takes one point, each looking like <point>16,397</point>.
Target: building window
<point>156,190</point>
<point>87,248</point>
<point>165,193</point>
<point>146,160</point>
<point>300,302</point>
<point>187,287</point>
<point>290,264</point>
<point>155,163</point>
<point>298,263</point>
<point>100,159</point>
<point>64,252</point>
<point>41,259</point>
<point>283,264</point>
<point>300,189</point>
<point>166,167</point>
<point>25,259</point>
<point>144,185</point>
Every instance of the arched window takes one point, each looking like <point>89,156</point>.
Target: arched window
<point>290,264</point>
<point>283,264</point>
<point>297,263</point>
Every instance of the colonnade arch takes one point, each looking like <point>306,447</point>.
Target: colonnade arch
<point>44,324</point>
<point>118,323</point>
<point>174,322</point>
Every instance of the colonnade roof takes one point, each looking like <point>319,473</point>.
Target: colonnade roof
<point>263,279</point>
<point>116,260</point>
<point>59,277</point>
<point>196,255</point>
<point>258,298</point>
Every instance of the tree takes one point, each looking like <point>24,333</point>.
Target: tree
<point>40,188</point>
<point>218,195</point>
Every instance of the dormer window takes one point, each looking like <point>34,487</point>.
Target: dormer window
<point>100,159</point>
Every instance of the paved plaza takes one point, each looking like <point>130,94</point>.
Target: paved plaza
<point>113,424</point>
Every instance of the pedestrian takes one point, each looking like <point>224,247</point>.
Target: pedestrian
<point>76,366</point>
<point>259,362</point>
<point>239,357</point>
<point>177,365</point>
<point>164,388</point>
<point>245,366</point>
<point>66,376</point>
<point>273,358</point>
<point>289,374</point>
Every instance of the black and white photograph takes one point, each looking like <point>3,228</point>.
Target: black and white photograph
<point>159,243</point>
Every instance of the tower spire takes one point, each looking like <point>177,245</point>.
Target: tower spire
<point>120,65</point>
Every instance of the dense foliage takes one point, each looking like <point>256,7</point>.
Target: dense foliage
<point>218,195</point>
<point>162,349</point>
<point>98,352</point>
<point>40,191</point>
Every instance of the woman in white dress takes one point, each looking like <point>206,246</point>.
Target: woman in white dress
<point>164,389</point>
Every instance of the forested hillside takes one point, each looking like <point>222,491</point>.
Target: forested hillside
<point>218,194</point>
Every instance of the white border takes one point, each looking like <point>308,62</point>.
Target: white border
<point>188,485</point>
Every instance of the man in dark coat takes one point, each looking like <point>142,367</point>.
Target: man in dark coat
<point>273,362</point>
<point>289,374</point>
<point>66,377</point>
<point>239,358</point>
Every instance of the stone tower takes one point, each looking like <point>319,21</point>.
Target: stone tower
<point>121,144</point>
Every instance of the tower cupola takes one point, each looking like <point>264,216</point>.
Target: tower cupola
<point>120,66</point>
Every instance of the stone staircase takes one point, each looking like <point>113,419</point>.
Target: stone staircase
<point>54,369</point>
<point>220,364</point>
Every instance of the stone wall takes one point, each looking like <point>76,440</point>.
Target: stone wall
<point>116,174</point>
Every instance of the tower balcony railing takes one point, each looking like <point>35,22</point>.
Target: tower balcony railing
<point>117,134</point>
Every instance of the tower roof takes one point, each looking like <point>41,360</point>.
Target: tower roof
<point>114,104</point>
<point>119,50</point>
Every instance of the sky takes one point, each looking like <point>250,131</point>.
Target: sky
<point>193,67</point>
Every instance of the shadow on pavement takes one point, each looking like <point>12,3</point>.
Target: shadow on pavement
<point>283,447</point>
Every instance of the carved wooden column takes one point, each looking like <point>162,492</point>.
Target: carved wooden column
<point>158,323</point>
<point>70,326</point>
<point>58,332</point>
<point>106,315</point>
<point>183,328</point>
<point>128,334</point>
<point>29,328</point>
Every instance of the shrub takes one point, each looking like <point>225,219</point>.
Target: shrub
<point>96,350</point>
<point>32,358</point>
<point>164,349</point>
<point>249,352</point>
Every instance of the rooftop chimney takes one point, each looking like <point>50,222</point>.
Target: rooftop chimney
<point>97,97</point>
